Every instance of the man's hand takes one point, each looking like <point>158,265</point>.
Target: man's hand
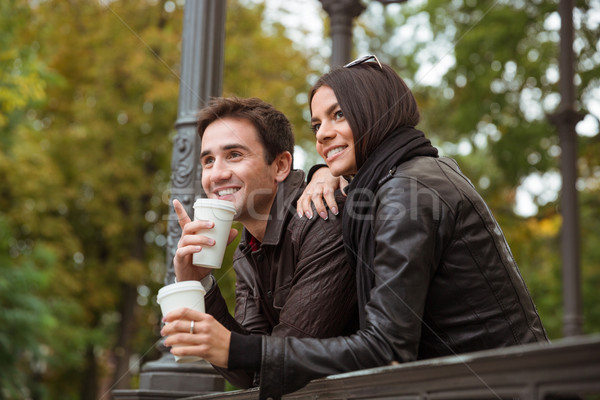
<point>322,186</point>
<point>209,339</point>
<point>191,242</point>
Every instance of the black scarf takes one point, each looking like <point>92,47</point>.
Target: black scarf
<point>359,241</point>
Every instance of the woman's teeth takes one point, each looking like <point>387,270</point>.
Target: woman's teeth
<point>335,151</point>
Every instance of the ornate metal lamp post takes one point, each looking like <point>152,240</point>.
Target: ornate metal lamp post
<point>202,58</point>
<point>341,15</point>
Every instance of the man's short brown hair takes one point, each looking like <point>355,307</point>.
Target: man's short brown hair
<point>274,129</point>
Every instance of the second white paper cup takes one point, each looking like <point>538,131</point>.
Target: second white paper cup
<point>188,294</point>
<point>220,212</point>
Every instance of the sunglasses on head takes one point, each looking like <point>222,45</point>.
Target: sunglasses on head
<point>364,59</point>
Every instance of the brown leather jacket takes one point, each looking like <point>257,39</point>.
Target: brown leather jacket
<point>445,283</point>
<point>296,283</point>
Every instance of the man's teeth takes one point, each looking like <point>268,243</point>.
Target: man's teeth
<point>335,151</point>
<point>225,192</point>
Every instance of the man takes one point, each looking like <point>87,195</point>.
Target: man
<point>291,273</point>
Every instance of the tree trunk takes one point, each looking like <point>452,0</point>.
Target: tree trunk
<point>89,383</point>
<point>122,350</point>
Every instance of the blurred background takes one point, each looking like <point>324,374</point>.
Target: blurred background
<point>88,101</point>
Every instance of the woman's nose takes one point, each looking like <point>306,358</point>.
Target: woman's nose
<point>325,132</point>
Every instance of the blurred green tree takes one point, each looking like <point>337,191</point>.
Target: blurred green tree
<point>26,318</point>
<point>21,72</point>
<point>28,321</point>
<point>91,140</point>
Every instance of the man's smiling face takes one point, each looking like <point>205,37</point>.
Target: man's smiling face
<point>234,168</point>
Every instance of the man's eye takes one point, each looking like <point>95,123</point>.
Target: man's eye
<point>235,154</point>
<point>207,161</point>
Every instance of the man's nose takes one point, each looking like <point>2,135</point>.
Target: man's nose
<point>220,171</point>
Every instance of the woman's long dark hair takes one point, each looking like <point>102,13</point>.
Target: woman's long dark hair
<point>375,103</point>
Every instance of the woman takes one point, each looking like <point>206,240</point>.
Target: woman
<point>435,275</point>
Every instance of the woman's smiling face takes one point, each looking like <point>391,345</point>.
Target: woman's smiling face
<point>335,142</point>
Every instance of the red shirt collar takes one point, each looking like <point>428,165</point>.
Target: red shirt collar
<point>254,244</point>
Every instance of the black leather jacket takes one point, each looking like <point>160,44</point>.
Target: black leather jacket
<point>295,283</point>
<point>445,283</point>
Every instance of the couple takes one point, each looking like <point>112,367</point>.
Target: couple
<point>423,262</point>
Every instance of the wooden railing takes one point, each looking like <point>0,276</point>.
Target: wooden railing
<point>566,369</point>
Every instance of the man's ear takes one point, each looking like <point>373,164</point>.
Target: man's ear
<point>283,165</point>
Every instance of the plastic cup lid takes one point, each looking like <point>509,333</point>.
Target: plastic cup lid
<point>222,204</point>
<point>179,286</point>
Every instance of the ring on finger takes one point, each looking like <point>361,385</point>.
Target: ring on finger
<point>192,326</point>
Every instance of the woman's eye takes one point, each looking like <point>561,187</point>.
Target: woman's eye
<point>338,114</point>
<point>315,127</point>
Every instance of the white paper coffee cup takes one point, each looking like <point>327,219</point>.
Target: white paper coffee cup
<point>220,212</point>
<point>188,294</point>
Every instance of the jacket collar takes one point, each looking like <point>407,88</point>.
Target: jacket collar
<point>287,192</point>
